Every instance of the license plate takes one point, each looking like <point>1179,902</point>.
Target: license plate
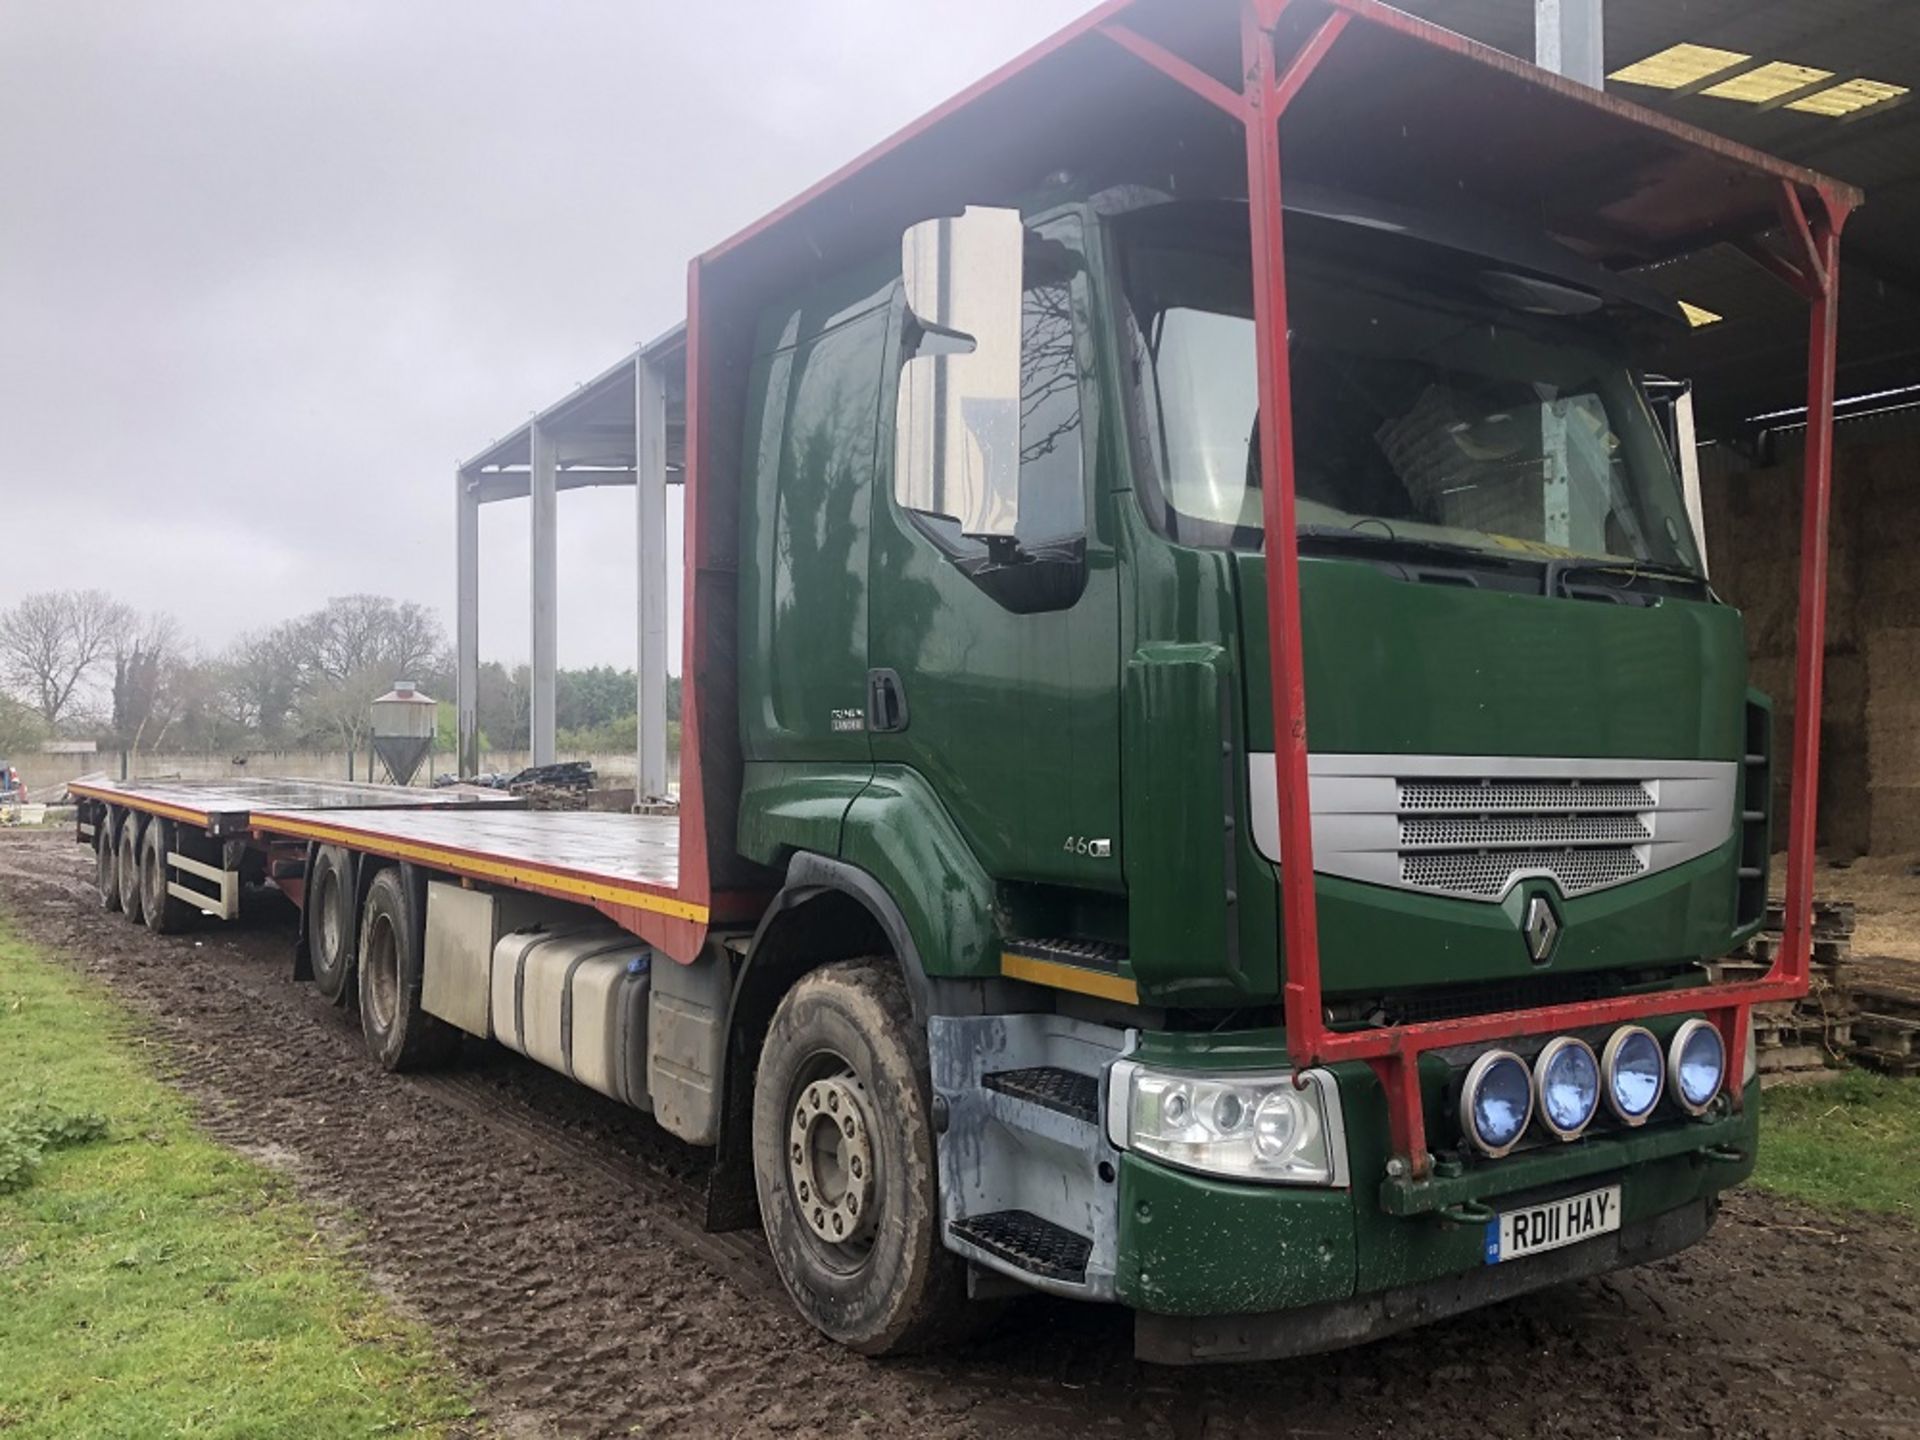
<point>1558,1222</point>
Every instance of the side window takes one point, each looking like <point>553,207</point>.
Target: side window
<point>1046,567</point>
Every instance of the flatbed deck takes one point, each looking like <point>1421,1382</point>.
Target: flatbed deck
<point>226,807</point>
<point>629,862</point>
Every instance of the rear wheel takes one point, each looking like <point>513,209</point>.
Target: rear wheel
<point>330,928</point>
<point>106,860</point>
<point>165,913</point>
<point>844,1162</point>
<point>400,1035</point>
<point>126,864</point>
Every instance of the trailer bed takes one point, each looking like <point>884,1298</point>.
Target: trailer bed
<point>226,807</point>
<point>614,862</point>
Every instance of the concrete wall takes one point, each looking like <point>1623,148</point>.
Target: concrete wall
<point>1870,715</point>
<point>47,773</point>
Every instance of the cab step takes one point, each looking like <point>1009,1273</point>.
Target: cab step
<point>1087,954</point>
<point>1051,1087</point>
<point>1028,1242</point>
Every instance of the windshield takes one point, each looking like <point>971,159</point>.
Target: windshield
<point>1421,412</point>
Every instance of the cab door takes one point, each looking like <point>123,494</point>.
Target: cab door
<point>994,670</point>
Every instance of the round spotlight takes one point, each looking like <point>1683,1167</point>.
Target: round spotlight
<point>1696,1065</point>
<point>1566,1084</point>
<point>1635,1070</point>
<point>1496,1102</point>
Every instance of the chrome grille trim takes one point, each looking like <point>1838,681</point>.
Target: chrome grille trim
<point>1479,796</point>
<point>1473,827</point>
<point>1523,832</point>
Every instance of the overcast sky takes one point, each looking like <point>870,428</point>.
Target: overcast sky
<point>270,268</point>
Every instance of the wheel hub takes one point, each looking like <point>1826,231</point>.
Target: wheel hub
<point>830,1159</point>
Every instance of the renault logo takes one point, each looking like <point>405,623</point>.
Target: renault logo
<point>1541,927</point>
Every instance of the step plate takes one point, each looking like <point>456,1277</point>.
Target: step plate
<point>1022,1239</point>
<point>1066,1091</point>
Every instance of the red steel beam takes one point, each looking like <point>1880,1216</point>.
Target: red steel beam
<point>1793,218</point>
<point>1168,63</point>
<point>1810,645</point>
<point>1286,671</point>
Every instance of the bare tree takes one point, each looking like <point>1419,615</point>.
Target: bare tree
<point>351,651</point>
<point>52,642</point>
<point>147,690</point>
<point>260,680</point>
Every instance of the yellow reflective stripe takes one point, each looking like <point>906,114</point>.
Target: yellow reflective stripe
<point>523,876</point>
<point>1070,977</point>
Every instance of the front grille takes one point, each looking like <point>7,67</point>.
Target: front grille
<point>1476,836</point>
<point>1474,826</point>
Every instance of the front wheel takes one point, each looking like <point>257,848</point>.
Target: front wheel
<point>843,1152</point>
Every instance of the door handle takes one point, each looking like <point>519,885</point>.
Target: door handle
<point>886,702</point>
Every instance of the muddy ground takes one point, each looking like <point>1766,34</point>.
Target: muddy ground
<point>551,1241</point>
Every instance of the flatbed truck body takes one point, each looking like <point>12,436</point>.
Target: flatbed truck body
<point>1211,768</point>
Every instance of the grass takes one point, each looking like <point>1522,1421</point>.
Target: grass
<point>1851,1145</point>
<point>155,1284</point>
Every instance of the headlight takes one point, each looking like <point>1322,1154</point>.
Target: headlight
<point>1635,1073</point>
<point>1240,1126</point>
<point>1696,1065</point>
<point>1566,1085</point>
<point>1496,1102</point>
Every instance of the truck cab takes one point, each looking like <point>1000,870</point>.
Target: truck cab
<point>1004,651</point>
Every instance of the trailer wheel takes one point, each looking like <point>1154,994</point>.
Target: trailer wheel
<point>106,860</point>
<point>166,913</point>
<point>400,1035</point>
<point>843,1156</point>
<point>330,928</point>
<point>126,864</point>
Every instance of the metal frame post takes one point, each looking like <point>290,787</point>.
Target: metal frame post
<point>1394,1052</point>
<point>1820,266</point>
<point>545,556</point>
<point>467,625</point>
<point>650,508</point>
<point>1265,99</point>
<point>1569,38</point>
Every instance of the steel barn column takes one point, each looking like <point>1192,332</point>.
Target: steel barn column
<point>650,508</point>
<point>467,624</point>
<point>546,588</point>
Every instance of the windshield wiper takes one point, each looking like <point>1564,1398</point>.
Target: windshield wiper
<point>1559,570</point>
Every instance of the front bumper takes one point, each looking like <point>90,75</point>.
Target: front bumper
<point>1192,1340</point>
<point>1225,1270</point>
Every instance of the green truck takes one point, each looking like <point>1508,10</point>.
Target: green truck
<point>1212,764</point>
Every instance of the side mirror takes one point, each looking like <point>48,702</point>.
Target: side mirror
<point>957,437</point>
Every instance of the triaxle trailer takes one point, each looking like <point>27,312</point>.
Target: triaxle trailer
<point>1211,767</point>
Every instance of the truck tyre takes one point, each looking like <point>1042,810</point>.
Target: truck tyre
<point>166,914</point>
<point>843,1153</point>
<point>400,1035</point>
<point>106,860</point>
<point>126,865</point>
<point>330,928</point>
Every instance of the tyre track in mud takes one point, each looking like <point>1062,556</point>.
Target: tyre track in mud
<point>552,1241</point>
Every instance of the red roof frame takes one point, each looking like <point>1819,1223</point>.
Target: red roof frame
<point>1624,183</point>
